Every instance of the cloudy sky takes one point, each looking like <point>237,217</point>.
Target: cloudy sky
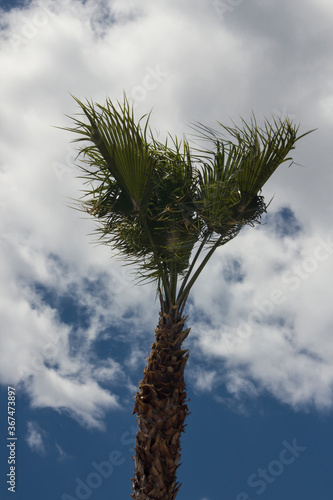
<point>75,330</point>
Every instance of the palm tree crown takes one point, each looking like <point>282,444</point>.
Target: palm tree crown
<point>158,205</point>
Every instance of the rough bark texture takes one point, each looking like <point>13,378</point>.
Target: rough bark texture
<point>161,407</point>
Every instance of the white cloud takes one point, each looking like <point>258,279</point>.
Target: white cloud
<point>203,379</point>
<point>62,454</point>
<point>276,327</point>
<point>85,400</point>
<point>34,438</point>
<point>223,68</point>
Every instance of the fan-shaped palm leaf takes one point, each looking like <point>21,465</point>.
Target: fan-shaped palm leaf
<point>118,148</point>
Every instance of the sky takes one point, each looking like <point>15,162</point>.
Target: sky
<point>75,330</point>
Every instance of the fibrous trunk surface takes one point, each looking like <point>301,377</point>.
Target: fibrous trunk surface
<point>160,404</point>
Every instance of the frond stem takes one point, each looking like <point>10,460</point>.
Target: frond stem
<point>188,287</point>
<point>163,273</point>
<point>195,258</point>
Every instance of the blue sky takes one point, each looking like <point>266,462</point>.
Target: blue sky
<point>75,331</point>
<point>8,5</point>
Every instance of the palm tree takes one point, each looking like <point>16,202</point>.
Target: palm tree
<point>167,209</point>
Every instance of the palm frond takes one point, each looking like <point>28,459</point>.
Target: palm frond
<point>231,182</point>
<point>118,149</point>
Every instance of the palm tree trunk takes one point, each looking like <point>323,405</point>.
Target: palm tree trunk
<point>160,404</point>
